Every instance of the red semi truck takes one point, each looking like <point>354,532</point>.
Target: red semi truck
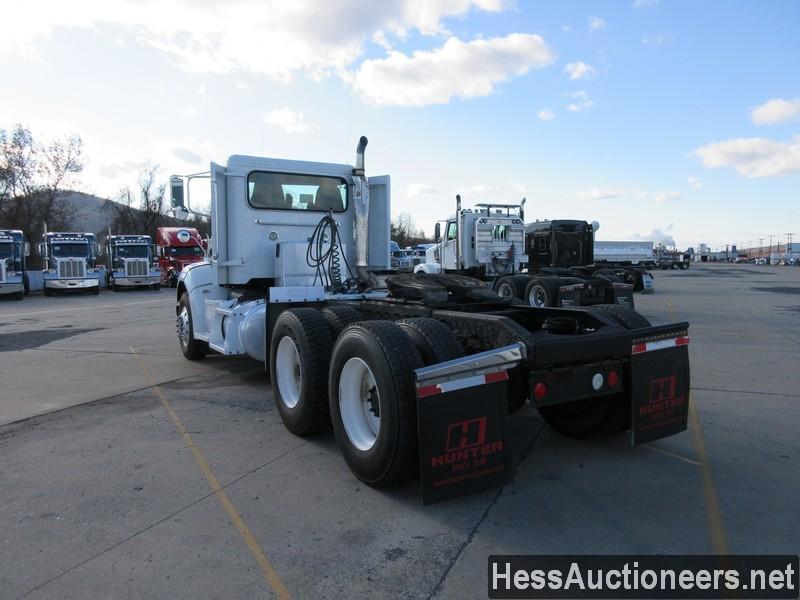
<point>177,248</point>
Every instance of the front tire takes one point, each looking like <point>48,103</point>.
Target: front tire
<point>373,401</point>
<point>300,352</point>
<point>192,348</point>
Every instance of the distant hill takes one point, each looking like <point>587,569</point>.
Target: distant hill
<point>91,212</point>
<point>94,214</point>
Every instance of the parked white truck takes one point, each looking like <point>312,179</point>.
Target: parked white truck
<point>13,254</point>
<point>297,278</point>
<point>544,263</point>
<point>131,262</point>
<point>69,260</point>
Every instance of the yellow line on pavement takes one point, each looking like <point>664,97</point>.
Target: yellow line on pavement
<point>719,540</point>
<point>267,569</point>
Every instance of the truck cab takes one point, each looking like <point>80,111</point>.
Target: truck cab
<point>70,262</point>
<point>13,252</point>
<point>177,248</point>
<point>485,242</point>
<point>131,262</point>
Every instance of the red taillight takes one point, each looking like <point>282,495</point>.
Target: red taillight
<point>613,379</point>
<point>540,390</point>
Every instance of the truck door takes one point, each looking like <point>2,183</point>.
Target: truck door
<point>449,245</point>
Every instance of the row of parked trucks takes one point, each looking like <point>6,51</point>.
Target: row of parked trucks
<point>414,372</point>
<point>547,263</point>
<point>71,260</point>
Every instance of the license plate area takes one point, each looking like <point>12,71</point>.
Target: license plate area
<point>577,382</point>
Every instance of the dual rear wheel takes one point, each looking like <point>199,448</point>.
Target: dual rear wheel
<point>362,386</point>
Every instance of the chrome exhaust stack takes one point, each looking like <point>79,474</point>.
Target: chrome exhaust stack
<point>361,216</point>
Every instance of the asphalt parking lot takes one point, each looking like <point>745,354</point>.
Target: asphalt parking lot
<point>128,472</point>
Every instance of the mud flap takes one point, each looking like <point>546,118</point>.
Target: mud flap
<point>659,387</point>
<point>462,406</point>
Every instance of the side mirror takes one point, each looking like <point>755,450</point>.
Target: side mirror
<point>176,192</point>
<point>437,233</point>
<point>40,248</point>
<point>26,248</point>
<point>595,225</point>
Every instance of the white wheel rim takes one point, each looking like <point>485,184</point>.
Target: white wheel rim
<point>504,291</point>
<point>288,372</point>
<point>359,400</point>
<point>536,297</point>
<point>183,326</point>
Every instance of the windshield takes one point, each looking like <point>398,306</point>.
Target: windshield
<point>5,249</point>
<point>296,192</point>
<point>185,251</point>
<point>64,250</point>
<point>132,252</point>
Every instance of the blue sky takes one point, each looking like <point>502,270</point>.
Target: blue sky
<point>668,119</point>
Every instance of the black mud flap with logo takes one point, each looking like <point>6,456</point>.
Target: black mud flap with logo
<point>463,448</point>
<point>660,384</point>
<point>462,405</point>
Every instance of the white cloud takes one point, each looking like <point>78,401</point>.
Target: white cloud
<point>597,194</point>
<point>189,112</point>
<point>657,236</point>
<point>694,183</point>
<point>480,189</point>
<point>202,90</point>
<point>579,70</point>
<point>642,4</point>
<point>456,69</point>
<point>581,101</point>
<point>752,157</point>
<point>417,189</point>
<point>546,114</point>
<point>656,39</point>
<point>664,197</point>
<point>776,110</point>
<point>596,23</point>
<point>187,156</point>
<point>270,37</point>
<point>243,85</point>
<point>288,120</point>
<point>566,28</point>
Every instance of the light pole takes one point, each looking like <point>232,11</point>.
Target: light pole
<point>760,247</point>
<point>769,256</point>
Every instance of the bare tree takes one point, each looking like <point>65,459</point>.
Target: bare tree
<point>31,177</point>
<point>405,232</point>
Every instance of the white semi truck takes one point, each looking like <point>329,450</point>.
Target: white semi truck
<point>544,263</point>
<point>13,254</point>
<point>131,262</point>
<point>70,262</point>
<point>297,278</point>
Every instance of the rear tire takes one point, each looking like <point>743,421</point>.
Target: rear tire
<point>193,349</point>
<point>298,365</point>
<point>434,340</point>
<point>541,293</point>
<point>511,286</point>
<point>339,317</point>
<point>373,401</point>
<point>579,419</point>
<point>628,318</point>
<point>95,290</point>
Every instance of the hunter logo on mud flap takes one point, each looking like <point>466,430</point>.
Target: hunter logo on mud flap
<point>660,389</point>
<point>462,443</point>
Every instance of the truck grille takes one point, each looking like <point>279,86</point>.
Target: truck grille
<point>136,268</point>
<point>75,269</point>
